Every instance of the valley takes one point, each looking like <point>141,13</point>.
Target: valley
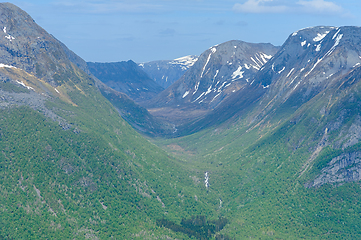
<point>252,141</point>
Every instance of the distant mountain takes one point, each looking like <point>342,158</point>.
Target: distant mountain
<point>218,73</point>
<point>166,72</point>
<point>138,117</point>
<point>126,77</point>
<point>288,144</point>
<point>310,61</point>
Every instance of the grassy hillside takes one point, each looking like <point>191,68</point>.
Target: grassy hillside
<point>85,173</point>
<point>267,173</point>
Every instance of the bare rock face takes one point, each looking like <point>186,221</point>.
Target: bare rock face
<point>126,77</point>
<point>218,73</point>
<point>167,72</point>
<point>25,45</point>
<point>310,61</point>
<point>341,169</point>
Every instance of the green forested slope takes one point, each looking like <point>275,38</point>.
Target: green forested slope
<point>85,172</point>
<point>293,177</point>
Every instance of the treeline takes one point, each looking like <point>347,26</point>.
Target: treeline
<point>197,226</point>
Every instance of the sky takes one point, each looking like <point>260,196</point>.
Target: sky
<point>148,30</point>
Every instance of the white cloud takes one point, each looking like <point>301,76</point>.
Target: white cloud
<point>108,6</point>
<point>320,6</point>
<point>259,6</point>
<point>300,6</point>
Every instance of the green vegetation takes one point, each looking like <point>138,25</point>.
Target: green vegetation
<point>88,174</point>
<point>76,169</point>
<point>196,226</point>
<point>261,171</point>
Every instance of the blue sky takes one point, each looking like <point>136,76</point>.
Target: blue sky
<point>146,30</point>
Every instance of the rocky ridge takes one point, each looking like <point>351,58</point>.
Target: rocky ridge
<point>166,72</point>
<point>126,77</point>
<point>219,72</point>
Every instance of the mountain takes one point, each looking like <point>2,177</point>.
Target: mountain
<point>138,117</point>
<point>277,159</point>
<point>126,77</point>
<point>166,72</point>
<point>283,154</point>
<point>310,61</point>
<point>70,166</point>
<point>218,73</point>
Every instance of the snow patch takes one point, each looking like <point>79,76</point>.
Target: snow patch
<point>213,49</point>
<point>209,90</point>
<point>216,96</point>
<point>318,48</point>
<point>187,61</point>
<point>330,76</point>
<point>56,90</point>
<point>199,97</point>
<point>337,42</point>
<point>248,67</point>
<point>185,94</point>
<point>290,72</point>
<point>314,66</point>
<point>4,29</point>
<point>196,88</point>
<point>7,66</point>
<point>320,36</point>
<point>279,72</point>
<point>219,89</point>
<point>258,66</point>
<point>294,34</point>
<point>303,43</point>
<point>23,84</point>
<point>336,34</point>
<point>255,67</point>
<point>356,64</point>
<point>9,37</point>
<point>204,67</point>
<point>216,74</point>
<point>267,56</point>
<point>238,73</point>
<point>297,84</point>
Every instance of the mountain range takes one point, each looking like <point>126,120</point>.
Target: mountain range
<point>166,72</point>
<point>126,77</point>
<point>253,141</point>
<point>217,74</point>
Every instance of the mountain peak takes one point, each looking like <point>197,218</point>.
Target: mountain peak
<point>27,46</point>
<point>218,73</point>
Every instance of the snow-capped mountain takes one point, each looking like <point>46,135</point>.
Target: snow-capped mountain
<point>219,72</point>
<point>166,72</point>
<point>310,61</point>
